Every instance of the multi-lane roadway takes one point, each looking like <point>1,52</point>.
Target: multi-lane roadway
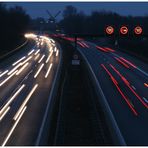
<point>124,83</point>
<point>25,84</point>
<point>26,80</point>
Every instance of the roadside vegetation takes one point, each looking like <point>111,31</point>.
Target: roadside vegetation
<point>13,24</point>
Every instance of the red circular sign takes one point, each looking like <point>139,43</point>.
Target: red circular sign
<point>109,30</point>
<point>124,30</point>
<point>138,30</point>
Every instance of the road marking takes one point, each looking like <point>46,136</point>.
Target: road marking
<point>38,71</point>
<point>48,70</point>
<point>4,113</point>
<point>13,128</point>
<point>22,69</point>
<point>146,74</point>
<point>18,61</point>
<point>133,87</point>
<point>25,102</point>
<point>12,98</point>
<point>145,99</point>
<point>41,59</point>
<point>28,74</point>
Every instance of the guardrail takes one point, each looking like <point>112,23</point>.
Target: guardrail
<point>42,138</point>
<point>13,51</point>
<point>110,120</point>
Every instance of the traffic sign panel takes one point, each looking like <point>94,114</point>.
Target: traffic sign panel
<point>124,30</point>
<point>138,30</point>
<point>109,30</point>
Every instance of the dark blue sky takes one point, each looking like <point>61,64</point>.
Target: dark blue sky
<point>38,9</point>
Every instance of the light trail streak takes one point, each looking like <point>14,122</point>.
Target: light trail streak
<point>3,73</point>
<point>18,61</point>
<point>41,59</point>
<point>13,128</point>
<point>25,102</point>
<point>128,85</point>
<point>31,52</point>
<point>57,53</point>
<point>37,52</point>
<point>12,98</point>
<point>49,56</point>
<point>16,67</point>
<point>22,69</point>
<point>38,71</point>
<point>26,60</point>
<point>48,70</point>
<point>4,113</point>
<point>37,56</point>
<point>3,82</point>
<point>120,91</point>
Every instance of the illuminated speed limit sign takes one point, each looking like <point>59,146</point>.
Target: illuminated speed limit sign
<point>124,30</point>
<point>109,30</point>
<point>138,30</point>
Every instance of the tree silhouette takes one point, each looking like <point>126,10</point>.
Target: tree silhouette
<point>77,22</point>
<point>14,23</point>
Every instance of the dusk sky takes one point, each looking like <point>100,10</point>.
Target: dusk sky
<point>38,9</point>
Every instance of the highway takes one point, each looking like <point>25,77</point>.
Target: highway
<point>25,84</point>
<point>123,80</point>
<point>26,79</point>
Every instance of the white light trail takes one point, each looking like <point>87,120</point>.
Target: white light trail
<point>30,35</point>
<point>38,44</point>
<point>3,82</point>
<point>4,113</point>
<point>50,48</point>
<point>57,53</point>
<point>3,73</point>
<point>26,60</point>
<point>22,69</point>
<point>42,43</point>
<point>16,67</point>
<point>38,71</point>
<point>18,61</point>
<point>48,70</point>
<point>49,56</point>
<point>55,49</point>
<point>37,52</point>
<point>13,128</point>
<point>41,59</point>
<point>31,52</point>
<point>25,102</point>
<point>12,98</point>
<point>37,56</point>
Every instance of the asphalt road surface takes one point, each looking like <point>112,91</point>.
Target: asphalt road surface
<point>25,84</point>
<point>123,80</point>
